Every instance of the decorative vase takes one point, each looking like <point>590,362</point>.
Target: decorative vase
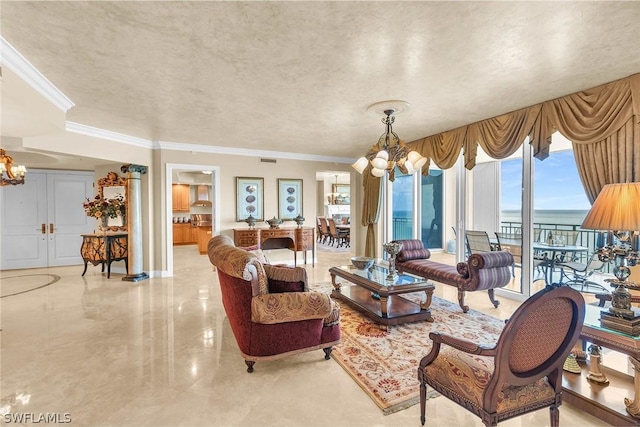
<point>274,222</point>
<point>299,220</point>
<point>104,224</point>
<point>392,248</point>
<point>251,221</point>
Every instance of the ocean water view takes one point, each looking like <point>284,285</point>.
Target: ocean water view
<point>564,216</point>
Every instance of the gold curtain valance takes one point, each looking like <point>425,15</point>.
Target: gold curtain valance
<point>583,117</point>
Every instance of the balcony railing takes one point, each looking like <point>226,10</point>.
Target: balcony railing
<point>592,239</point>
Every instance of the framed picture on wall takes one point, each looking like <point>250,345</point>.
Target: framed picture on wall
<point>249,198</point>
<point>289,198</point>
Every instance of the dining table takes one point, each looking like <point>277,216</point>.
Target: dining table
<point>556,254</point>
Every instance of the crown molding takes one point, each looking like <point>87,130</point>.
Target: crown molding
<point>213,149</point>
<point>197,148</point>
<point>14,61</point>
<point>107,134</point>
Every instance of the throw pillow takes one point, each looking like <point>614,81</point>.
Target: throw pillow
<point>408,255</point>
<point>257,252</point>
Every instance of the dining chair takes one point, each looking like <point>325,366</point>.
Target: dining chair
<point>521,373</point>
<point>336,235</point>
<point>324,226</point>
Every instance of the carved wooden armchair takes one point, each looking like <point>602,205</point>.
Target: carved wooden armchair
<point>270,309</point>
<point>521,373</point>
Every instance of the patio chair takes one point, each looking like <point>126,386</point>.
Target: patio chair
<point>478,241</point>
<point>521,373</point>
<point>578,273</point>
<point>500,247</point>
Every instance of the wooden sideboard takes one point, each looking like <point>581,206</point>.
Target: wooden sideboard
<point>292,238</point>
<point>105,249</point>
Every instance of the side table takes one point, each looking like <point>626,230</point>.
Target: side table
<point>105,249</point>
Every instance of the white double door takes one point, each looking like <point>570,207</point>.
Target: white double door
<point>42,220</point>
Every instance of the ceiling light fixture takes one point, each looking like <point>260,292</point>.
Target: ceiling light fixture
<point>390,151</point>
<point>10,174</point>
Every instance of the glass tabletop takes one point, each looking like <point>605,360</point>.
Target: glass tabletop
<point>378,274</point>
<point>592,320</point>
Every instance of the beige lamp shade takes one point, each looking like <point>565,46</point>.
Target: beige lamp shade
<point>617,208</point>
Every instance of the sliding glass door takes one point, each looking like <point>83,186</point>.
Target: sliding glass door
<point>417,208</point>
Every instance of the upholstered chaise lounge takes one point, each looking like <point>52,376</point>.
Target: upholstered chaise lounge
<point>482,271</point>
<point>270,309</point>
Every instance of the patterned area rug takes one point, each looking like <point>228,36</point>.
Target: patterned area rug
<point>385,363</point>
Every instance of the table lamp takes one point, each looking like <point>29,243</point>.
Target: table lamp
<point>617,209</point>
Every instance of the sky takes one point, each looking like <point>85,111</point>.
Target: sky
<point>557,185</point>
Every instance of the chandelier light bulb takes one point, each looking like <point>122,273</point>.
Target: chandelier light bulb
<point>382,154</point>
<point>377,172</point>
<point>409,166</point>
<point>360,165</point>
<point>420,163</point>
<point>379,163</point>
<point>414,156</point>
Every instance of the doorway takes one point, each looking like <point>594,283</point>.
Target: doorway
<point>172,171</point>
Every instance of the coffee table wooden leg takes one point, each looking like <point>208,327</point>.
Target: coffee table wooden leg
<point>336,286</point>
<point>383,305</point>
<point>633,406</point>
<point>425,305</point>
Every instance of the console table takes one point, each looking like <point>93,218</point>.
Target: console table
<point>105,249</point>
<point>606,402</point>
<point>293,238</point>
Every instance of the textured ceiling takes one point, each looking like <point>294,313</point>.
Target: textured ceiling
<point>298,76</point>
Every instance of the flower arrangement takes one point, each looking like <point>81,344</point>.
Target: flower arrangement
<point>111,208</point>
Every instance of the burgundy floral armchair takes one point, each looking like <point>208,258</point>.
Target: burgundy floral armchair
<point>270,309</point>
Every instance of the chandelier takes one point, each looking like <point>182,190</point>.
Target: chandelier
<point>390,152</point>
<point>10,174</point>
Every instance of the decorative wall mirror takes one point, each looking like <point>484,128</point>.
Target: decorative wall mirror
<point>113,188</point>
<point>341,194</point>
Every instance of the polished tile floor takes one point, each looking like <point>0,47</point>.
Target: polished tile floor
<point>160,353</point>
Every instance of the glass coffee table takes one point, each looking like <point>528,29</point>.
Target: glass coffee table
<point>377,298</point>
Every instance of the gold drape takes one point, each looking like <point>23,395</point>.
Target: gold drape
<point>370,209</point>
<point>601,123</point>
<point>615,159</point>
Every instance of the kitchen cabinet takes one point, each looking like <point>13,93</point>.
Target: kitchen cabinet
<point>185,234</point>
<point>204,235</point>
<point>180,197</point>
